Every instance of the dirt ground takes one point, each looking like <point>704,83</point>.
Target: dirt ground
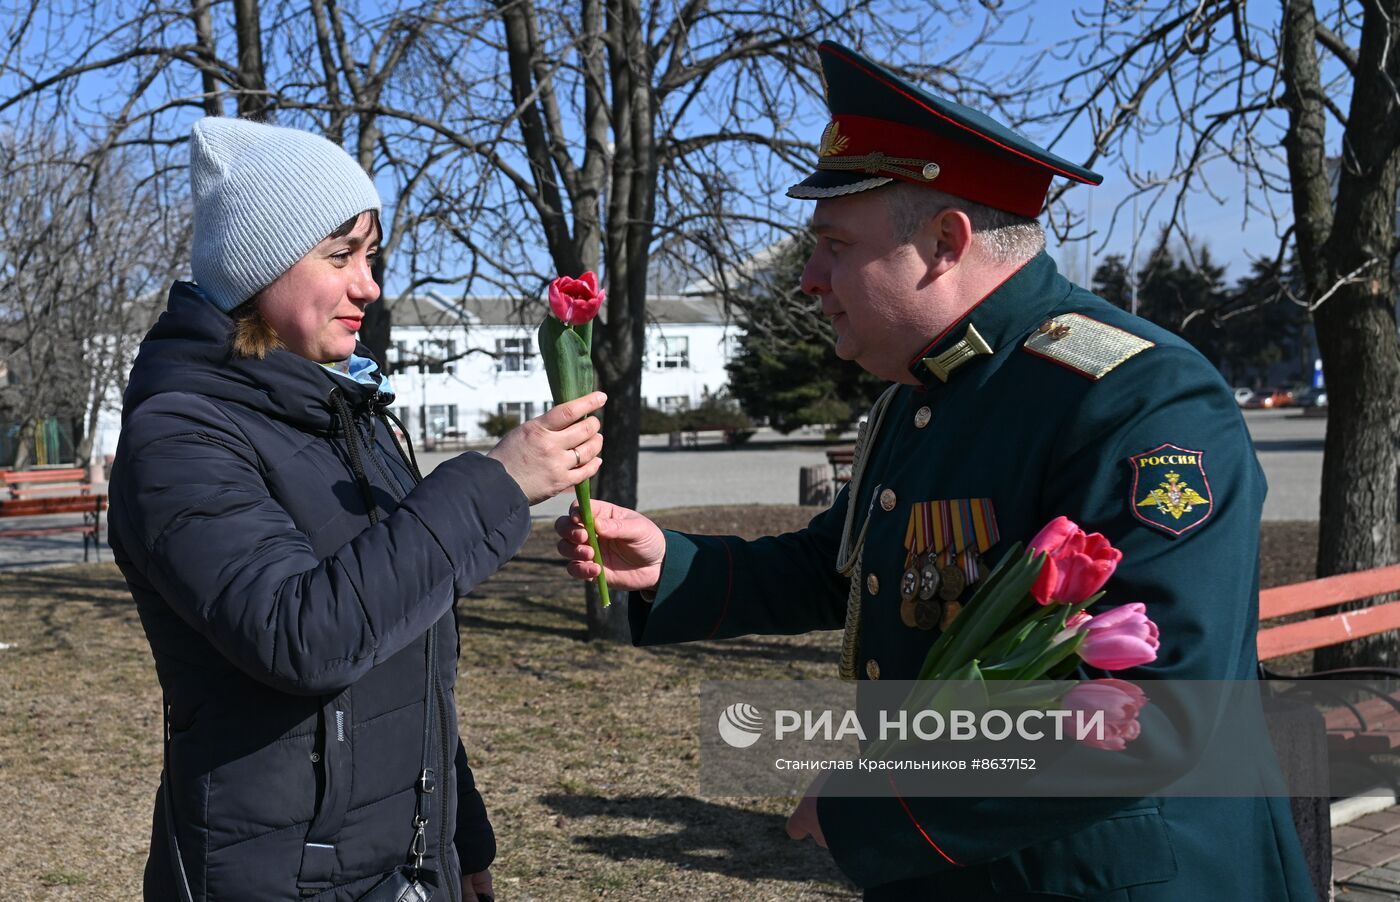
<point>587,754</point>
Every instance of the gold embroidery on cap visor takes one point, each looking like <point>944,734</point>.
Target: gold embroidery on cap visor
<point>879,163</point>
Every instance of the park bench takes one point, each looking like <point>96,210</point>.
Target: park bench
<point>841,460</point>
<point>48,491</point>
<point>1368,725</point>
<point>1352,729</point>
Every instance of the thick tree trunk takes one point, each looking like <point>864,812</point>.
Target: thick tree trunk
<point>1348,255</point>
<point>204,39</point>
<point>617,483</point>
<point>247,25</point>
<point>378,323</point>
<point>627,239</point>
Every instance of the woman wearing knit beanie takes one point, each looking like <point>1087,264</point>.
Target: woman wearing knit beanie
<point>295,574</point>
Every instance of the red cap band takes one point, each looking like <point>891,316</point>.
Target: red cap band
<point>964,171</point>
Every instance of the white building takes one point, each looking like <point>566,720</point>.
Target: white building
<point>457,362</point>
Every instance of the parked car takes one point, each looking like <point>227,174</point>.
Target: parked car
<point>1243,396</point>
<point>1312,397</point>
<point>1269,398</point>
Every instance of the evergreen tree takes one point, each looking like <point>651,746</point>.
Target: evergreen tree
<point>786,369</point>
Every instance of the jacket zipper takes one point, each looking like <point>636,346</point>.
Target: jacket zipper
<point>453,892</point>
<point>451,883</point>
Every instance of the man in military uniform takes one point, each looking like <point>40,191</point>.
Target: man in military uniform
<point>1016,397</point>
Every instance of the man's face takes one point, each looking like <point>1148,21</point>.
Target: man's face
<point>316,307</point>
<point>875,290</point>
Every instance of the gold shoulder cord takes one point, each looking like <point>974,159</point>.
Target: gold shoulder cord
<point>848,559</point>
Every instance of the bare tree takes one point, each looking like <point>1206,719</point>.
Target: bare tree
<point>125,75</point>
<point>515,141</point>
<point>84,254</point>
<point>623,137</point>
<point>1229,88</point>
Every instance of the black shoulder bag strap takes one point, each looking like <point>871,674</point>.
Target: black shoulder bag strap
<point>427,777</point>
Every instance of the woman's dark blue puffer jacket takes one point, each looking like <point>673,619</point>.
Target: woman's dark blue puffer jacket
<point>288,616</point>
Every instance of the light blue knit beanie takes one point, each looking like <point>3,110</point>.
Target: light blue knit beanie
<point>263,197</point>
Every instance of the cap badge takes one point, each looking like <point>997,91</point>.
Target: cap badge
<point>930,171</point>
<point>833,142</point>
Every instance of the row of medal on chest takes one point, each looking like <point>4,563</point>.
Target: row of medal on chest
<point>930,585</point>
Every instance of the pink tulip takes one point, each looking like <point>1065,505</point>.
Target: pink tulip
<point>575,301</point>
<point>1077,565</point>
<point>1120,638</point>
<point>1119,700</point>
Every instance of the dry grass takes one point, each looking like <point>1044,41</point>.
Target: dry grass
<point>586,753</point>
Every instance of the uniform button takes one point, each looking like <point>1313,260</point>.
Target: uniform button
<point>315,756</point>
<point>872,669</point>
<point>921,417</point>
<point>888,499</point>
<point>872,584</point>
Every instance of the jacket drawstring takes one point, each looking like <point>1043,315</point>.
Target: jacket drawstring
<point>342,411</point>
<point>410,460</point>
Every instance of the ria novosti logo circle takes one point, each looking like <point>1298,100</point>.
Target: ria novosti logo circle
<point>740,725</point>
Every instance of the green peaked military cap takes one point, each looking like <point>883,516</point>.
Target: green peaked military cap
<point>883,128</point>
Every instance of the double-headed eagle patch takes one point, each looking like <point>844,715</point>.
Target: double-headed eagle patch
<point>1170,489</point>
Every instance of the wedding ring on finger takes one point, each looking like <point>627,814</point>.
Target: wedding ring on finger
<point>578,461</point>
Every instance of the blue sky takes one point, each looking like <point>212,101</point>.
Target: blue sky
<point>1218,222</point>
<point>1221,226</point>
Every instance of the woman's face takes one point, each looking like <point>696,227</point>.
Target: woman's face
<point>316,307</point>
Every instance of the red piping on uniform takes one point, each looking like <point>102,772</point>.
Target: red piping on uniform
<point>920,356</point>
<point>917,826</point>
<point>728,587</point>
<point>967,128</point>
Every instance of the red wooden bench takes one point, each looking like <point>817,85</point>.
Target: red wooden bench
<point>841,459</point>
<point>1367,725</point>
<point>43,492</point>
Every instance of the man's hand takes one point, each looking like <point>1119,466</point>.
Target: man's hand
<point>477,887</point>
<point>556,450</point>
<point>632,546</point>
<point>803,822</point>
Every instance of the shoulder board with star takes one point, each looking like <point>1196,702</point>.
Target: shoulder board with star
<point>1083,344</point>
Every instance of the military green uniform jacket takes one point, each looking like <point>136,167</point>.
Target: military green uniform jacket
<point>1079,409</point>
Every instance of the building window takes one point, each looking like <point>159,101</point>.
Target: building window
<point>521,410</point>
<point>673,403</point>
<point>442,419</point>
<point>731,347</point>
<point>515,355</point>
<point>669,353</point>
<point>434,353</point>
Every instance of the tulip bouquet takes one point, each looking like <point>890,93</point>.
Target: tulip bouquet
<point>1028,621</point>
<point>566,344</point>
